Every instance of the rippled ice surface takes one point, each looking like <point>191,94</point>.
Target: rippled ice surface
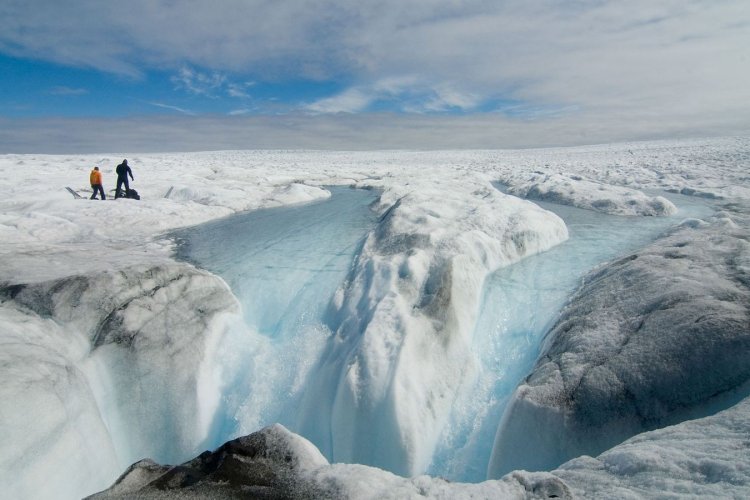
<point>285,264</point>
<point>520,304</point>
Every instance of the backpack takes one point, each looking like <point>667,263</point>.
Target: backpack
<point>132,194</point>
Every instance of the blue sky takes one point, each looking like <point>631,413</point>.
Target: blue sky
<point>91,75</point>
<point>34,88</point>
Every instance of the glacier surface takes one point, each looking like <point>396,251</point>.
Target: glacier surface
<point>116,349</point>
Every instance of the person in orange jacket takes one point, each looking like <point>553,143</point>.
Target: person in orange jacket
<point>96,183</point>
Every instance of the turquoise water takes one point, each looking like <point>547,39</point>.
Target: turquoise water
<point>284,264</point>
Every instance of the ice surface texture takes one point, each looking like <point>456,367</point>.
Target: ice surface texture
<point>705,458</point>
<point>105,369</point>
<point>654,338</point>
<point>58,411</point>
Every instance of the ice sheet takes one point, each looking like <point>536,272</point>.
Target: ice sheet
<point>420,276</point>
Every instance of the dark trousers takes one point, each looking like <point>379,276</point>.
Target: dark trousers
<point>97,189</point>
<point>120,181</point>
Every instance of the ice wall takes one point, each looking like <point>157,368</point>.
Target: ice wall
<point>54,441</point>
<point>652,339</point>
<point>401,350</point>
<point>108,368</point>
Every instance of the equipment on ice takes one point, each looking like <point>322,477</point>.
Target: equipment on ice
<point>74,193</point>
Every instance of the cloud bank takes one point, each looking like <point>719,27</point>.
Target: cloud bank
<point>332,132</point>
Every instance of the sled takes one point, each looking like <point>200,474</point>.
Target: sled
<point>74,193</point>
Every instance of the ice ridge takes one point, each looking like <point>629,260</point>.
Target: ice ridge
<point>402,322</point>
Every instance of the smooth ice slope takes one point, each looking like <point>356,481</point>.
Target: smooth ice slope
<point>55,444</point>
<point>654,338</point>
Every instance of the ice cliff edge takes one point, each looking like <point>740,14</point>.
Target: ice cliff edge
<point>105,369</point>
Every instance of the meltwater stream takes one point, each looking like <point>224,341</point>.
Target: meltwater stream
<point>520,304</point>
<point>285,264</point>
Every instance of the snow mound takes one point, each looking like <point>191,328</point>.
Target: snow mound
<point>576,191</point>
<point>652,339</point>
<point>404,319</point>
<point>276,463</point>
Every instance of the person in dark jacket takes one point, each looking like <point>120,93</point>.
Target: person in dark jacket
<point>123,170</point>
<point>96,183</point>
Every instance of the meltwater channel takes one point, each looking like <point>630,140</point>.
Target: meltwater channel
<point>285,264</point>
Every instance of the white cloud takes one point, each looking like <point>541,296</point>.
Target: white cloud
<point>405,93</point>
<point>447,96</point>
<point>67,91</point>
<point>198,83</point>
<point>237,90</point>
<point>349,101</point>
<point>632,62</point>
<point>173,108</point>
<point>340,131</point>
<point>211,85</point>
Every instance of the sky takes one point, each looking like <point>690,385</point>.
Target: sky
<point>168,75</point>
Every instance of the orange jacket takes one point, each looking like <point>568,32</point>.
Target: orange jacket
<point>95,177</point>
